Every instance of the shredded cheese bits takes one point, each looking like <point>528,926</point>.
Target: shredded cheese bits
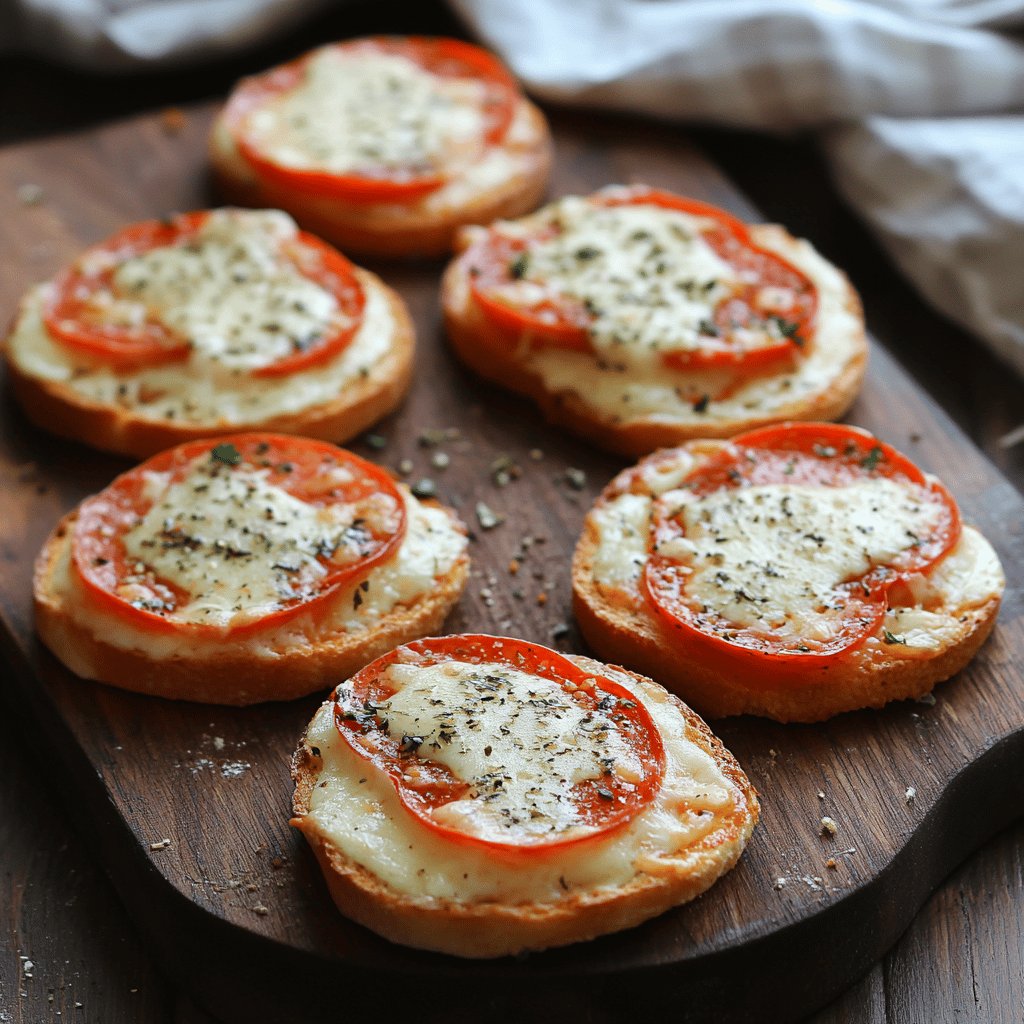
<point>517,739</point>
<point>353,111</point>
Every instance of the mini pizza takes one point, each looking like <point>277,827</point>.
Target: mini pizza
<point>258,567</point>
<point>482,796</point>
<point>641,319</point>
<point>385,145</point>
<point>205,323</point>
<point>794,572</point>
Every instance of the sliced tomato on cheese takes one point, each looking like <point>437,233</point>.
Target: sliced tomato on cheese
<point>764,320</point>
<point>240,506</point>
<point>605,800</point>
<point>88,313</point>
<point>704,565</point>
<point>372,182</point>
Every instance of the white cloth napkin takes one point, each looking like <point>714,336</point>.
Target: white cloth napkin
<point>919,103</point>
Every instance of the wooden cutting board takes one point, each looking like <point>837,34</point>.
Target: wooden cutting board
<point>234,903</point>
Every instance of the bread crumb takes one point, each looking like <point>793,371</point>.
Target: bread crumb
<point>821,795</point>
<point>780,883</point>
<point>828,826</point>
<point>910,794</point>
<point>160,845</point>
<point>576,478</point>
<point>487,517</point>
<point>173,120</point>
<point>30,194</point>
<point>831,864</point>
<point>542,598</point>
<point>513,566</point>
<point>261,910</point>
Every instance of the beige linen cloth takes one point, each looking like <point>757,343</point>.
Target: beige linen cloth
<point>919,104</point>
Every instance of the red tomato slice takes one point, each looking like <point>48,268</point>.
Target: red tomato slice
<point>423,785</point>
<point>75,319</point>
<point>817,454</point>
<point>562,321</point>
<point>301,467</point>
<point>445,58</point>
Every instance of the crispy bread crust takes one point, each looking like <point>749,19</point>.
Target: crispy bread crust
<point>389,229</point>
<point>233,675</point>
<point>468,328</point>
<point>490,929</point>
<point>621,626</point>
<point>57,408</point>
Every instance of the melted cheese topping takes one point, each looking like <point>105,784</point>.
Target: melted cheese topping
<point>354,111</point>
<point>357,808</point>
<point>227,291</point>
<point>240,546</point>
<point>518,740</point>
<point>431,547</point>
<point>242,326</point>
<point>772,556</point>
<point>645,274</point>
<point>926,613</point>
<point>630,383</point>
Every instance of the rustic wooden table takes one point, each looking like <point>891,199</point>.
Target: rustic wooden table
<point>69,950</point>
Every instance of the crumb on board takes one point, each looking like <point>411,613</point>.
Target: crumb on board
<point>487,517</point>
<point>261,910</point>
<point>30,194</point>
<point>160,844</point>
<point>831,864</point>
<point>172,119</point>
<point>576,478</point>
<point>425,488</point>
<point>828,826</point>
<point>542,598</point>
<point>909,795</point>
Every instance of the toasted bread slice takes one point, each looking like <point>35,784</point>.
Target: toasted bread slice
<point>933,627</point>
<point>437,894</point>
<point>633,414</point>
<point>510,180</point>
<point>143,411</point>
<point>279,662</point>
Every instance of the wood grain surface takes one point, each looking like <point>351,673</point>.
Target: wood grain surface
<point>239,884</point>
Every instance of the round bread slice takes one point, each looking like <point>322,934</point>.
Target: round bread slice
<point>138,411</point>
<point>399,877</point>
<point>508,179</point>
<point>616,397</point>
<point>933,626</point>
<point>406,595</point>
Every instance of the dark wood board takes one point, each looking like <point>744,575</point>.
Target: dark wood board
<point>237,896</point>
